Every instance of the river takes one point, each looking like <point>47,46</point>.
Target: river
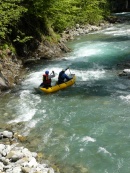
<point>86,127</point>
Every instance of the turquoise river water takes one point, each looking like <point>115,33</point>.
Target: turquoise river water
<point>84,128</point>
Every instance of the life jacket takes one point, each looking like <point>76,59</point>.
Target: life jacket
<point>46,80</point>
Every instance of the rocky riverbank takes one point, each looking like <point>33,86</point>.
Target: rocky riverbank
<point>15,158</point>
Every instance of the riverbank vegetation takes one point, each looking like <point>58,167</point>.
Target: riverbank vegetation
<point>23,21</point>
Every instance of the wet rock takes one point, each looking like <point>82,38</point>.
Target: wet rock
<point>7,134</point>
<point>1,136</point>
<point>3,84</point>
<point>26,170</point>
<point>17,159</point>
<point>125,73</point>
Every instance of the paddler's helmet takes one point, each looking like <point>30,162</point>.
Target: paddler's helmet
<point>47,72</point>
<point>63,69</point>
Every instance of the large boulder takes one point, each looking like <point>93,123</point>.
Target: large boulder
<point>10,69</point>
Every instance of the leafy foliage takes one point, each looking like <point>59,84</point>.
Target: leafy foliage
<point>61,14</point>
<point>24,20</point>
<point>10,13</point>
<point>67,13</point>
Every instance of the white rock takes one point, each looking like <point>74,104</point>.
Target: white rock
<point>126,71</point>
<point>6,161</point>
<point>14,145</point>
<point>2,82</point>
<point>17,170</point>
<point>8,167</point>
<point>26,152</point>
<point>5,149</point>
<point>2,147</point>
<point>7,134</point>
<point>8,148</point>
<point>19,159</point>
<point>14,170</point>
<point>34,154</point>
<point>42,166</point>
<point>46,170</point>
<point>22,161</point>
<point>17,155</point>
<point>1,166</point>
<point>24,164</point>
<point>4,153</point>
<point>32,162</point>
<point>51,170</point>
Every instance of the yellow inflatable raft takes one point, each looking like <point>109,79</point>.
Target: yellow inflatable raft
<point>59,86</point>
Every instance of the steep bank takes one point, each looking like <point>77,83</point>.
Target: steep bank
<point>10,68</point>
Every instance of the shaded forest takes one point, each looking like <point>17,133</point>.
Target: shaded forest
<point>119,5</point>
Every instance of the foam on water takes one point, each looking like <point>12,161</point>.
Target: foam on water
<point>120,163</point>
<point>47,135</point>
<point>31,124</point>
<point>26,106</point>
<point>67,152</point>
<point>35,78</point>
<point>116,33</point>
<point>83,52</point>
<point>103,150</point>
<point>87,139</point>
<point>92,75</point>
<point>125,98</point>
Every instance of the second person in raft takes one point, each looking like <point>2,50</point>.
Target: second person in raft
<point>62,76</point>
<point>47,79</point>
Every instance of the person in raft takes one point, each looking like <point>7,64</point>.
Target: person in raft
<point>62,76</point>
<point>47,79</point>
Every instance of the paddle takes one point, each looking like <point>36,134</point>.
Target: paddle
<point>70,72</point>
<point>67,69</point>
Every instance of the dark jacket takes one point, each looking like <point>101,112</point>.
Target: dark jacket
<point>62,77</point>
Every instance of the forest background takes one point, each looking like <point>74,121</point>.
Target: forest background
<point>21,21</point>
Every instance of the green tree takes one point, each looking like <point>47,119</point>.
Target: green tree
<point>60,14</point>
<point>10,13</point>
<point>66,13</point>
